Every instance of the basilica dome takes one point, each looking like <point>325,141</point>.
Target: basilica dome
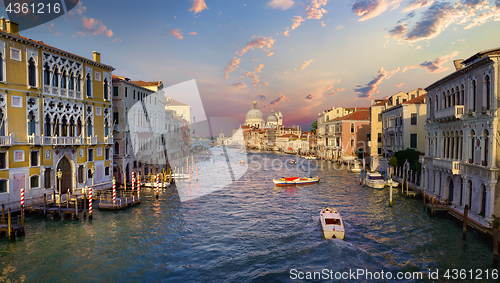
<point>254,116</point>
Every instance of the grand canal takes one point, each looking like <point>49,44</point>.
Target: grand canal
<point>247,231</point>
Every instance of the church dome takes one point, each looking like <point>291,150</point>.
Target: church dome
<point>254,114</point>
<point>272,118</point>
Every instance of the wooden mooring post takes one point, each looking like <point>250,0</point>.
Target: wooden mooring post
<point>432,205</point>
<point>9,225</point>
<point>464,227</point>
<point>424,202</point>
<point>44,204</point>
<point>3,214</point>
<point>495,242</point>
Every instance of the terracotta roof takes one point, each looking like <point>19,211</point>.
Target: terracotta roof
<point>494,51</point>
<point>143,83</point>
<point>289,136</point>
<point>358,115</point>
<point>380,102</point>
<point>172,102</point>
<point>417,100</point>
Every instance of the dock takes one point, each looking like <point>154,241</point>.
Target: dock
<point>12,225</point>
<point>126,200</point>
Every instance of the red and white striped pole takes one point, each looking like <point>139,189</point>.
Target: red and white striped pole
<point>90,203</point>
<point>114,191</point>
<point>138,186</point>
<point>133,181</point>
<point>157,184</point>
<point>22,199</point>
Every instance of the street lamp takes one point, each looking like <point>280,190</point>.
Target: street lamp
<point>59,177</point>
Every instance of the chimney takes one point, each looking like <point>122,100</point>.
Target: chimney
<point>372,102</point>
<point>458,64</point>
<point>97,56</point>
<point>2,23</point>
<point>12,27</point>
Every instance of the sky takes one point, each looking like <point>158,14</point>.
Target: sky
<point>297,56</point>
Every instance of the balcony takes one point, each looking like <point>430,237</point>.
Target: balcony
<point>451,165</point>
<point>108,140</point>
<point>55,91</point>
<point>35,140</point>
<point>7,140</point>
<point>91,140</point>
<point>451,113</point>
<point>61,141</point>
<point>46,89</point>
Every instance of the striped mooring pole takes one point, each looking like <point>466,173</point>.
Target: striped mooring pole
<point>157,184</point>
<point>138,186</point>
<point>133,181</point>
<point>114,191</point>
<point>90,203</point>
<point>22,199</point>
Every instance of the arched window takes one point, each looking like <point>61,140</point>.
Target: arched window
<point>2,123</point>
<point>31,123</point>
<point>64,127</point>
<point>452,97</point>
<point>106,128</point>
<point>437,102</point>
<point>483,200</point>
<point>71,82</point>
<point>89,86</point>
<point>460,191</point>
<point>32,72</point>
<point>55,78</point>
<point>106,89</point>
<point>117,148</point>
<point>89,127</point>
<point>79,82</point>
<point>462,94</point>
<point>472,142</point>
<point>48,127</point>
<point>46,74</point>
<point>488,92</point>
<point>485,147</point>
<point>352,127</point>
<point>63,80</point>
<point>474,96</point>
<point>72,127</point>
<point>79,128</point>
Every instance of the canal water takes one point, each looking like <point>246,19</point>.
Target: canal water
<point>248,231</point>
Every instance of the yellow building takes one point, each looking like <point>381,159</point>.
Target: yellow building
<point>55,113</point>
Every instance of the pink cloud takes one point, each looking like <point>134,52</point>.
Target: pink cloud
<point>434,66</point>
<point>253,75</point>
<point>329,87</point>
<point>280,99</point>
<point>340,89</point>
<point>233,65</point>
<point>296,22</point>
<point>306,63</point>
<point>314,10</point>
<point>270,54</point>
<point>309,96</point>
<point>193,33</point>
<point>109,33</point>
<point>259,42</point>
<point>265,83</point>
<point>281,4</point>
<point>117,39</point>
<point>371,88</point>
<point>198,6</point>
<point>417,4</point>
<point>373,8</point>
<point>93,26</point>
<point>239,85</point>
<point>52,29</point>
<point>176,33</point>
<point>399,85</point>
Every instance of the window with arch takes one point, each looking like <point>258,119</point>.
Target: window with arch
<point>79,127</point>
<point>462,94</point>
<point>46,74</point>
<point>488,91</point>
<point>474,96</point>
<point>32,72</point>
<point>472,142</point>
<point>106,89</point>
<point>89,127</point>
<point>88,82</point>
<point>437,103</point>
<point>48,126</point>
<point>31,123</point>
<point>55,78</point>
<point>64,82</point>
<point>2,122</point>
<point>106,128</point>
<point>117,148</point>
<point>352,127</point>
<point>79,82</point>
<point>485,147</point>
<point>71,83</point>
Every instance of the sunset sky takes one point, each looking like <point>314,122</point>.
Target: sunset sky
<point>300,57</point>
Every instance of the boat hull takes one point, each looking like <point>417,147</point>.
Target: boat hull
<point>298,181</point>
<point>376,186</point>
<point>330,234</point>
<point>293,184</point>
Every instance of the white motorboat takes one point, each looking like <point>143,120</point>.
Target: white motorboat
<point>355,167</point>
<point>153,185</point>
<point>178,176</point>
<point>293,161</point>
<point>394,184</point>
<point>374,180</point>
<point>333,226</point>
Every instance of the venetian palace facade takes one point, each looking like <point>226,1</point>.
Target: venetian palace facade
<point>462,130</point>
<point>55,113</point>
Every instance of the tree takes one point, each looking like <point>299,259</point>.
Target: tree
<point>393,161</point>
<point>314,127</point>
<point>411,155</point>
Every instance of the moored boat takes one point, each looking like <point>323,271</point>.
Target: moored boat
<point>332,224</point>
<point>355,167</point>
<point>394,184</point>
<point>241,162</point>
<point>291,181</point>
<point>375,180</point>
<point>293,161</point>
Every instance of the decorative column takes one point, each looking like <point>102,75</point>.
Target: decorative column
<point>490,200</point>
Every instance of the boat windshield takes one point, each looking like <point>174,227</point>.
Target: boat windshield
<point>332,221</point>
<point>375,177</point>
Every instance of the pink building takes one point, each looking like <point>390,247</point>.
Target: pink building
<point>346,137</point>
